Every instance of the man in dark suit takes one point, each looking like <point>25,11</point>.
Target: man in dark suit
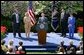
<point>16,22</point>
<point>63,23</point>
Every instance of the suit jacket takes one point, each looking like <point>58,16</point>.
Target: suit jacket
<point>44,22</point>
<point>14,18</point>
<point>71,21</point>
<point>64,20</point>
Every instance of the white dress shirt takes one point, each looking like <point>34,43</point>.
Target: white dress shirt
<point>62,15</point>
<point>17,18</point>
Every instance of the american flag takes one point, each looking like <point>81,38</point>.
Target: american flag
<point>31,13</point>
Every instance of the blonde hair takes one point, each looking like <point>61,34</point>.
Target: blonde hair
<point>61,49</point>
<point>26,14</point>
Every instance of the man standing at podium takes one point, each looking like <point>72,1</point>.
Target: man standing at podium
<point>42,27</point>
<point>42,22</point>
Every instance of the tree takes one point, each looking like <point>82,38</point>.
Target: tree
<point>8,6</point>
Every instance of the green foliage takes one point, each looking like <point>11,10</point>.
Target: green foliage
<point>7,7</point>
<point>79,22</point>
<point>3,35</point>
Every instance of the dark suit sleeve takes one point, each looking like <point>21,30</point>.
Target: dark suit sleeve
<point>46,20</point>
<point>24,48</point>
<point>20,17</point>
<point>39,20</point>
<point>12,17</point>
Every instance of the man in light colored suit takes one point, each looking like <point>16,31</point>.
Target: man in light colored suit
<point>71,25</point>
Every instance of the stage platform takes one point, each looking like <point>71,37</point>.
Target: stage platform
<point>52,41</point>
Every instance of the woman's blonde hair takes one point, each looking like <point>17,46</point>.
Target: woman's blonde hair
<point>26,14</point>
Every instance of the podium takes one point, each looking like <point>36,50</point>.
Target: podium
<point>42,36</point>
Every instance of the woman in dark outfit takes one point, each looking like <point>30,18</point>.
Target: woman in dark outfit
<point>54,21</point>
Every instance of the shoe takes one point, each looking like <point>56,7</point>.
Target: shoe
<point>64,36</point>
<point>61,35</point>
<point>27,36</point>
<point>70,37</point>
<point>14,36</point>
<point>20,36</point>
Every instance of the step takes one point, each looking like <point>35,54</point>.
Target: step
<point>40,46</point>
<point>40,51</point>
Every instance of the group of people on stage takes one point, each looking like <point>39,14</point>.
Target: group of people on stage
<point>43,22</point>
<point>16,20</point>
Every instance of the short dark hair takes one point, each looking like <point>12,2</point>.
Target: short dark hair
<point>10,49</point>
<point>43,12</point>
<point>20,43</point>
<point>62,43</point>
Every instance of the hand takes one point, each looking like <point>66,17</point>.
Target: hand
<point>69,25</point>
<point>44,23</point>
